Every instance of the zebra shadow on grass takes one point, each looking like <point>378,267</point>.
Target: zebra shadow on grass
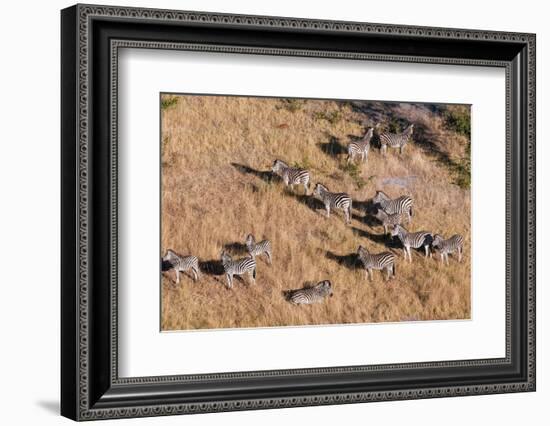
<point>350,261</point>
<point>212,267</point>
<point>332,148</point>
<point>266,176</point>
<point>309,201</point>
<point>236,248</point>
<point>384,239</point>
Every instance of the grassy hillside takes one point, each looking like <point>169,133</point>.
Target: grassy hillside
<point>216,188</point>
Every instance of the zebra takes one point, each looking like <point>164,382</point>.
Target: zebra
<point>182,264</point>
<point>360,147</point>
<point>449,246</point>
<point>336,200</point>
<point>238,267</point>
<point>413,239</point>
<point>388,219</point>
<point>309,295</point>
<point>395,140</point>
<point>257,249</point>
<point>290,175</point>
<point>379,261</point>
<point>403,204</point>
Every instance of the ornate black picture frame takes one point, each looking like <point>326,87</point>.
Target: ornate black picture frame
<point>91,388</point>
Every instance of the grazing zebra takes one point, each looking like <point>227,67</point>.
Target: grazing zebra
<point>336,200</point>
<point>388,219</point>
<point>238,267</point>
<point>403,204</point>
<point>291,176</point>
<point>182,264</point>
<point>379,261</point>
<point>257,249</point>
<point>413,239</point>
<point>449,246</point>
<point>360,147</point>
<point>395,140</point>
<point>308,295</point>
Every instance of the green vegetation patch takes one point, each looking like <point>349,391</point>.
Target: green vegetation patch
<point>168,101</point>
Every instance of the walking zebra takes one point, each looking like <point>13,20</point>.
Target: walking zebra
<point>449,246</point>
<point>379,261</point>
<point>395,140</point>
<point>238,267</point>
<point>290,175</point>
<point>336,200</point>
<point>388,219</point>
<point>413,240</point>
<point>182,264</point>
<point>308,295</point>
<point>257,249</point>
<point>403,204</point>
<point>360,147</point>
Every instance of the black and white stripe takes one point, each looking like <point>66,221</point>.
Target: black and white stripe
<point>379,261</point>
<point>449,246</point>
<point>403,204</point>
<point>182,264</point>
<point>257,249</point>
<point>336,200</point>
<point>238,267</point>
<point>395,140</point>
<point>291,176</point>
<point>360,147</point>
<point>388,220</point>
<point>309,295</point>
<point>413,240</point>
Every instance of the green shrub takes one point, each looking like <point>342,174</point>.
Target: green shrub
<point>332,117</point>
<point>458,119</point>
<point>292,105</point>
<point>168,101</point>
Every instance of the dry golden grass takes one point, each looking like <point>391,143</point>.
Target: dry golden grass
<point>216,155</point>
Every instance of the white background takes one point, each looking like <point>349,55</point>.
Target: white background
<point>29,225</point>
<point>146,352</point>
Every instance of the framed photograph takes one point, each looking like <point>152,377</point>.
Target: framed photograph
<point>263,212</point>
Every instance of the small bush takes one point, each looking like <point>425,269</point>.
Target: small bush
<point>354,171</point>
<point>457,119</point>
<point>168,101</point>
<point>332,117</point>
<point>292,105</point>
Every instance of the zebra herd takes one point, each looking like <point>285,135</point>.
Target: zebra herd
<point>390,212</point>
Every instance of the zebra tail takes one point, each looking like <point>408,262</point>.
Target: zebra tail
<point>411,211</point>
<point>254,273</point>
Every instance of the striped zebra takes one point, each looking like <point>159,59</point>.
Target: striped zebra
<point>238,267</point>
<point>449,246</point>
<point>335,200</point>
<point>309,295</point>
<point>379,261</point>
<point>413,240</point>
<point>257,249</point>
<point>360,147</point>
<point>395,140</point>
<point>388,219</point>
<point>182,264</point>
<point>291,176</point>
<point>403,204</point>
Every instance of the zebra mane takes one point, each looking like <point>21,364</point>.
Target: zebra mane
<point>324,187</point>
<point>281,162</point>
<point>250,238</point>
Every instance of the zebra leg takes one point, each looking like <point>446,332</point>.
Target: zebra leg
<point>268,254</point>
<point>447,258</point>
<point>327,208</point>
<point>177,276</point>
<point>460,254</point>
<point>410,256</point>
<point>405,252</point>
<point>195,274</point>
<point>370,274</point>
<point>229,278</point>
<point>426,250</point>
<point>385,229</point>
